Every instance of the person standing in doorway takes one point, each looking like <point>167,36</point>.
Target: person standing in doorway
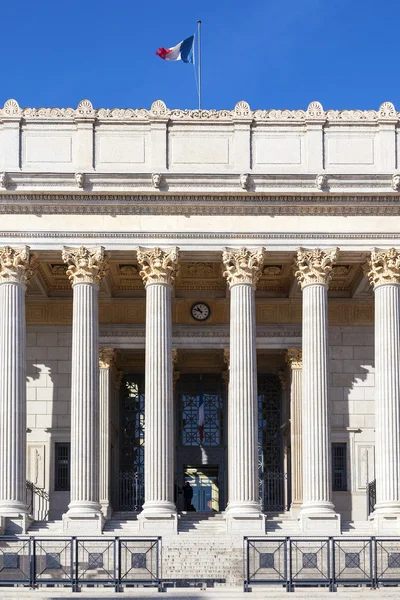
<point>187,495</point>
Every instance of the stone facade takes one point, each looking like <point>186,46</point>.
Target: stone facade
<point>164,238</point>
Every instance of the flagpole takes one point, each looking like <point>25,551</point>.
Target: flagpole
<point>199,61</point>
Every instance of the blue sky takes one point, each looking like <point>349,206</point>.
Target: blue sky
<point>344,53</point>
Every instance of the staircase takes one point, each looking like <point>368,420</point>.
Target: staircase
<point>201,523</point>
<point>46,528</point>
<point>281,524</point>
<point>357,528</point>
<point>122,524</point>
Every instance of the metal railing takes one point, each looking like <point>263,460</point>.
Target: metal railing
<point>273,492</point>
<point>332,561</point>
<point>131,491</point>
<point>38,501</point>
<point>371,496</point>
<point>75,562</point>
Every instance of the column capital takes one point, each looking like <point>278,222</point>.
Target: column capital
<point>294,358</point>
<point>17,265</point>
<point>243,266</point>
<point>157,265</point>
<point>107,357</point>
<point>85,265</point>
<point>315,266</point>
<point>383,267</point>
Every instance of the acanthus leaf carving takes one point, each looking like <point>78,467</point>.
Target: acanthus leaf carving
<point>85,265</point>
<point>315,266</point>
<point>157,265</point>
<point>4,180</point>
<point>243,266</point>
<point>294,358</point>
<point>107,357</point>
<point>383,267</point>
<point>17,265</point>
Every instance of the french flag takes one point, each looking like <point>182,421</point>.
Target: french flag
<point>182,51</point>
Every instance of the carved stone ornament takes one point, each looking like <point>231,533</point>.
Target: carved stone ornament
<point>175,357</point>
<point>156,179</point>
<point>107,357</point>
<point>321,181</point>
<point>118,379</point>
<point>85,110</point>
<point>85,265</point>
<point>315,266</point>
<point>244,181</point>
<point>227,357</point>
<point>294,358</point>
<point>80,179</point>
<point>16,265</point>
<point>242,110</point>
<point>4,181</point>
<point>282,379</point>
<point>243,266</point>
<point>383,267</point>
<point>158,266</point>
<point>396,182</point>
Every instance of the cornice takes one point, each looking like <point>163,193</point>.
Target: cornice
<point>159,112</point>
<point>198,204</point>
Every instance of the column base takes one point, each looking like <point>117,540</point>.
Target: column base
<point>320,521</point>
<point>295,509</point>
<point>386,519</point>
<point>15,517</point>
<point>85,519</point>
<point>158,518</point>
<point>245,518</point>
<point>106,510</point>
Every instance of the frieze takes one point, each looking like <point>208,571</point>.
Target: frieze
<point>158,110</point>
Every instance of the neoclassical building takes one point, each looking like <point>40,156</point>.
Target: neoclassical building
<point>201,296</point>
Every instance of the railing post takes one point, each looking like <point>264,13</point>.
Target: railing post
<point>32,561</point>
<point>288,554</point>
<point>331,564</point>
<point>246,563</point>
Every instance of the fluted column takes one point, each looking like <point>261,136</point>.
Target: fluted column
<point>106,363</point>
<point>158,271</point>
<point>16,267</point>
<point>242,271</point>
<point>294,359</point>
<point>384,274</point>
<point>314,269</point>
<point>86,268</point>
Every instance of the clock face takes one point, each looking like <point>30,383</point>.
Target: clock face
<point>200,311</point>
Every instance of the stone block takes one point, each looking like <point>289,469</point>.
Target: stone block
<point>352,366</point>
<point>61,408</point>
<point>36,353</point>
<point>335,336</point>
<point>342,379</point>
<point>336,366</point>
<point>336,393</point>
<point>64,366</point>
<point>45,394</point>
<point>363,408</point>
<point>365,379</point>
<point>354,393</point>
<point>46,339</point>
<point>49,367</point>
<point>353,339</point>
<point>63,421</point>
<point>343,352</point>
<point>354,421</point>
<point>369,339</point>
<point>61,380</point>
<point>31,421</point>
<point>364,352</point>
<point>337,421</point>
<point>30,393</point>
<point>64,394</point>
<point>30,339</point>
<point>36,408</point>
<point>64,339</point>
<point>39,380</point>
<point>369,394</point>
<point>44,421</point>
<point>59,353</point>
<point>370,421</point>
<point>339,408</point>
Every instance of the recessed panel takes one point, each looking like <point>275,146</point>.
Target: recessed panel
<point>277,150</point>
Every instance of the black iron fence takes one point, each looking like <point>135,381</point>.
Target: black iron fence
<point>274,493</point>
<point>131,491</point>
<point>328,562</point>
<point>38,501</point>
<point>76,562</point>
<point>371,496</point>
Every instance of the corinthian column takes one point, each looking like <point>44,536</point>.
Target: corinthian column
<point>86,268</point>
<point>294,359</point>
<point>16,267</point>
<point>106,363</point>
<point>384,274</point>
<point>314,270</point>
<point>242,271</point>
<point>158,271</point>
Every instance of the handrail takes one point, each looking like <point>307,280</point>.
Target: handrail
<point>38,500</point>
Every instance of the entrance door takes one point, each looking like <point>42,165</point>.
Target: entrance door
<point>204,482</point>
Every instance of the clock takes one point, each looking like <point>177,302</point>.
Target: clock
<point>200,311</point>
